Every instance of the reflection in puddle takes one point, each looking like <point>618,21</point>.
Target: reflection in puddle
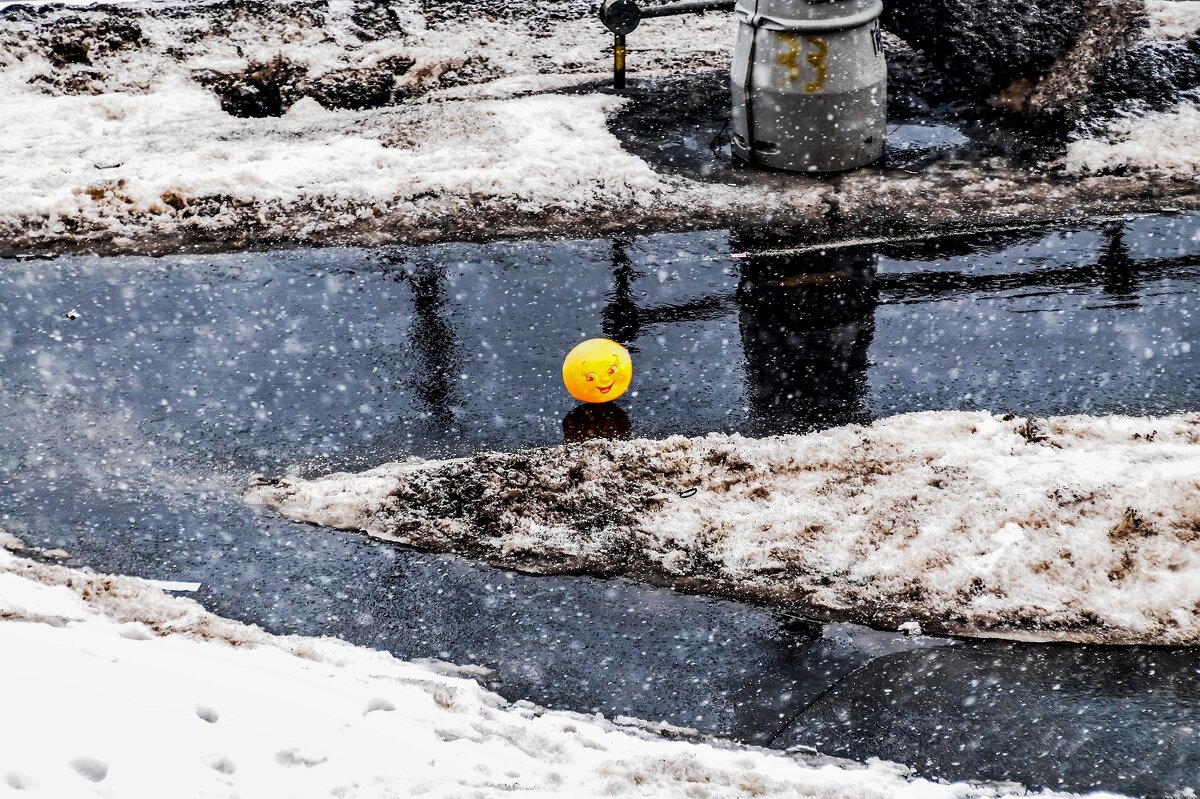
<point>806,324</point>
<point>586,422</point>
<point>433,342</point>
<point>1008,321</point>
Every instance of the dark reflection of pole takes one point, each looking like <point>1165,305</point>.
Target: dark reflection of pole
<point>1118,269</point>
<point>624,320</point>
<point>926,286</point>
<point>433,343</point>
<point>620,315</point>
<point>807,322</point>
<point>942,247</point>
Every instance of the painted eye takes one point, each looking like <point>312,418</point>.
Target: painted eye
<point>612,370</point>
<point>591,378</point>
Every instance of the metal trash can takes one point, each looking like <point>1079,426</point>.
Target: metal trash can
<point>809,84</point>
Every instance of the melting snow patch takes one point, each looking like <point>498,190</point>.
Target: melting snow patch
<point>1172,19</point>
<point>1068,528</point>
<point>1162,143</point>
<point>105,714</point>
<point>221,124</point>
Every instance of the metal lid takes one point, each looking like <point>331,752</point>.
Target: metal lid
<point>808,15</point>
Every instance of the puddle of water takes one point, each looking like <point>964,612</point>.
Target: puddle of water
<point>1068,712</point>
<point>911,137</point>
<point>132,423</point>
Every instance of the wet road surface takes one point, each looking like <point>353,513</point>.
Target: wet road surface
<point>140,394</point>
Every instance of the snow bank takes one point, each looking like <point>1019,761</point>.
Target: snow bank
<point>118,126</point>
<point>1069,528</point>
<point>68,3</point>
<point>174,149</point>
<point>127,692</point>
<point>1161,144</point>
<point>407,121</point>
<point>1140,141</point>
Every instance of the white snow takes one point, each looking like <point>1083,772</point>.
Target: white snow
<point>175,585</point>
<point>1071,528</point>
<point>1160,144</point>
<point>1172,19</point>
<point>29,599</point>
<point>119,158</point>
<point>72,3</point>
<point>114,689</point>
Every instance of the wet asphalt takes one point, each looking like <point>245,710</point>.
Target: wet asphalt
<point>140,394</point>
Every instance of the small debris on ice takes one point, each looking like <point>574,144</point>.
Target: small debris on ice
<point>175,585</point>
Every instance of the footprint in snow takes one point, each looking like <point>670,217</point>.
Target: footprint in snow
<point>378,703</point>
<point>18,781</point>
<point>294,757</point>
<point>90,768</point>
<point>220,764</point>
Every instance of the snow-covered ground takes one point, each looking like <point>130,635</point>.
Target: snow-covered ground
<point>1069,528</point>
<point>404,121</point>
<point>115,689</point>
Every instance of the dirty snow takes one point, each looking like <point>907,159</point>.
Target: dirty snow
<point>176,146</point>
<point>72,3</point>
<point>1148,144</point>
<point>130,139</point>
<point>123,691</point>
<point>1069,528</point>
<point>404,122</point>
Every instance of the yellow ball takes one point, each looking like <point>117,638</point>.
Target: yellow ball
<point>598,370</point>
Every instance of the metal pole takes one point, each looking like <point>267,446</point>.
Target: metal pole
<point>619,61</point>
<point>622,17</point>
<point>685,7</point>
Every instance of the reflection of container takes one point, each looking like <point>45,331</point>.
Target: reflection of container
<point>807,323</point>
<point>809,84</point>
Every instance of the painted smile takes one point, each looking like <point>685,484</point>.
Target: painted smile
<point>605,389</point>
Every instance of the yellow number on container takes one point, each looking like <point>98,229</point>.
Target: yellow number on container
<point>817,59</point>
<point>790,59</point>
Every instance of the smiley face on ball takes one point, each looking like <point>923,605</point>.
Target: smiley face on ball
<point>598,370</point>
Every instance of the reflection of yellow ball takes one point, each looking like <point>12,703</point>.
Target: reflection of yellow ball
<point>598,370</point>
